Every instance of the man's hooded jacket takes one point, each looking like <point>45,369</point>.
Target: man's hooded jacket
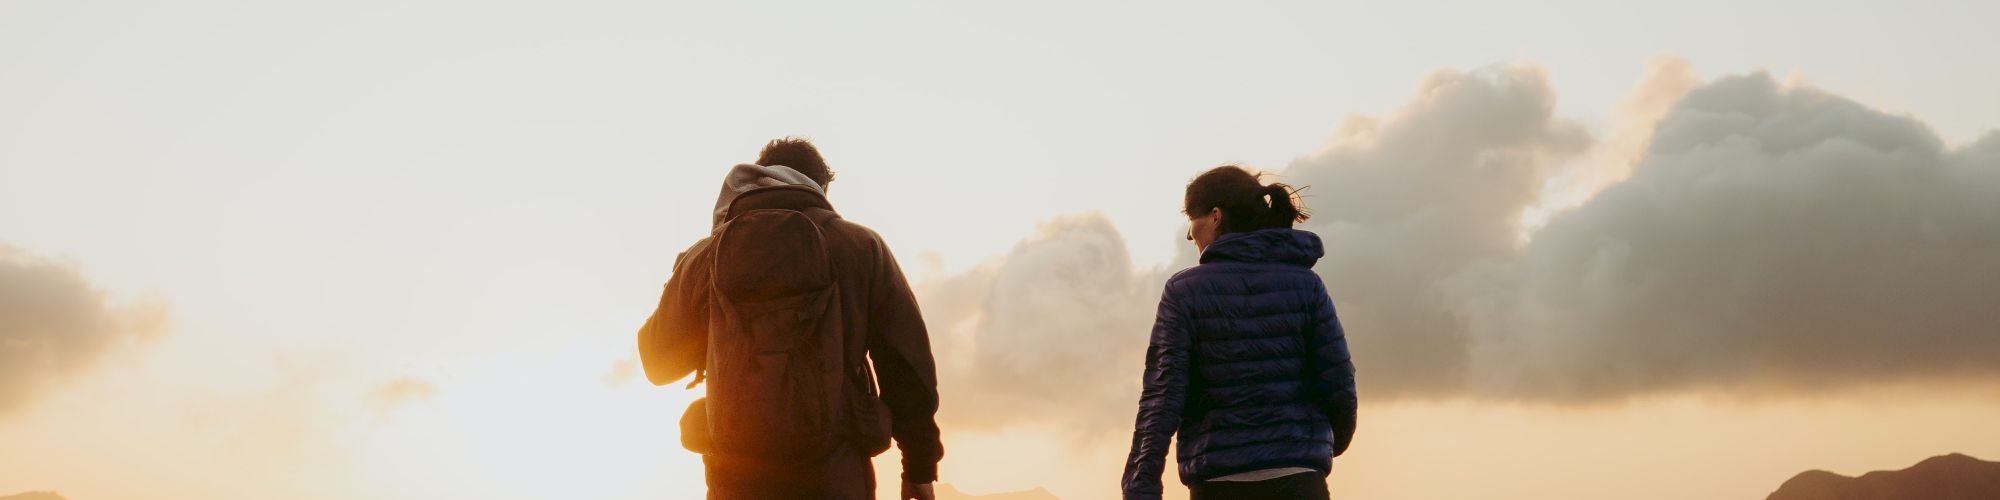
<point>876,301</point>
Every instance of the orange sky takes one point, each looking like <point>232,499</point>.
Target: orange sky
<point>399,249</point>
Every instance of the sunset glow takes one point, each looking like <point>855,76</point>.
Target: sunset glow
<point>399,250</point>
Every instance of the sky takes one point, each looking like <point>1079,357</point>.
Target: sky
<point>1582,249</point>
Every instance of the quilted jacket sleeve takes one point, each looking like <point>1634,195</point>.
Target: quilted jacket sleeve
<point>1333,370</point>
<point>1161,400</point>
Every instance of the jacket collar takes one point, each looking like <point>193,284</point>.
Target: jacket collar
<point>1284,245</point>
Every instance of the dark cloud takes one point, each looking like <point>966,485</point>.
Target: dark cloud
<point>54,324</point>
<point>1740,236</point>
<point>1768,237</point>
<point>1407,203</point>
<point>1772,237</point>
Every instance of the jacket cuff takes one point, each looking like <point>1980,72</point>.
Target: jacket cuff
<point>919,473</point>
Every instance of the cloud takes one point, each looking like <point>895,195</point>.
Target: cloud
<point>1666,79</point>
<point>1756,237</point>
<point>1407,202</point>
<point>1772,237</point>
<point>54,325</point>
<point>396,393</point>
<point>623,371</point>
<point>34,495</point>
<point>1739,236</point>
<point>1054,328</point>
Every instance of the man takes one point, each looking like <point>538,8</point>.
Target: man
<point>782,310</point>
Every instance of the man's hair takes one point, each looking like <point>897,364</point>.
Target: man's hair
<point>798,153</point>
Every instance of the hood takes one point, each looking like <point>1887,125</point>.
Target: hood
<point>1284,245</point>
<point>745,177</point>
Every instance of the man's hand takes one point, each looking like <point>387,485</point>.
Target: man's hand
<point>913,491</point>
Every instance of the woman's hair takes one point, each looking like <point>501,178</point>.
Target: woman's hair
<point>1247,203</point>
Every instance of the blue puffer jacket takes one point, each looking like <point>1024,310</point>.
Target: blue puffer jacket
<point>1248,363</point>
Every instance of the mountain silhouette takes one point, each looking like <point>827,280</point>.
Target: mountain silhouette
<point>1948,477</point>
<point>946,492</point>
<point>34,495</point>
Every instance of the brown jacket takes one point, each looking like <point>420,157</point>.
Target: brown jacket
<point>878,306</point>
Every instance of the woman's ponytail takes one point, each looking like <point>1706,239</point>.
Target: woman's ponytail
<point>1285,211</point>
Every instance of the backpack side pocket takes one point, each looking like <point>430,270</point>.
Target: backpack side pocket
<point>871,424</point>
<point>694,427</point>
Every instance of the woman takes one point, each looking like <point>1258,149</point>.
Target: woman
<point>1247,361</point>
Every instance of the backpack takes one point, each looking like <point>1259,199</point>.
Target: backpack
<point>776,367</point>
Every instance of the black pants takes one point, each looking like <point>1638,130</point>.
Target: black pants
<point>1301,486</point>
<point>843,476</point>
